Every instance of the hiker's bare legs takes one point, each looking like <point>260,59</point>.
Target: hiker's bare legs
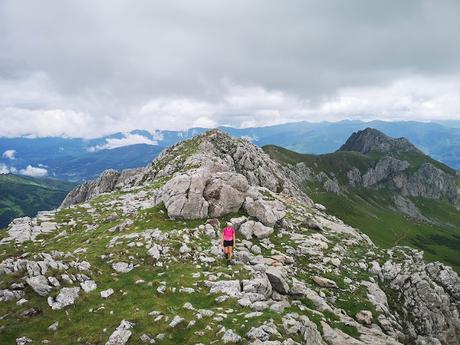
<point>230,253</point>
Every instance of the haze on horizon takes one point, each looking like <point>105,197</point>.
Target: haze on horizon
<point>90,68</point>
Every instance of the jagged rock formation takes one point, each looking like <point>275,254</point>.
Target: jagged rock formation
<point>107,182</point>
<point>370,159</point>
<point>371,139</point>
<point>301,275</point>
<point>210,175</point>
<point>426,181</point>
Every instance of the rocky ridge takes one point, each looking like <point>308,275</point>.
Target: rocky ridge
<point>393,164</point>
<point>370,139</point>
<point>137,260</point>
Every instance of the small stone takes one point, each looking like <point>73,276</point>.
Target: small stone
<point>230,337</point>
<point>88,285</point>
<point>175,321</point>
<point>106,293</point>
<point>23,341</point>
<point>53,327</point>
<point>122,267</point>
<point>364,317</point>
<point>324,282</point>
<point>121,334</point>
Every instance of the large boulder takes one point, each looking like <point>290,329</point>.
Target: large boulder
<point>183,195</point>
<point>225,193</point>
<point>20,229</point>
<point>257,229</point>
<point>267,211</point>
<point>278,278</point>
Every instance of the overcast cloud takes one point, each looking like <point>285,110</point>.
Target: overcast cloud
<point>88,68</point>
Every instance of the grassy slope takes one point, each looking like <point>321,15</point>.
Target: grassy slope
<point>92,319</point>
<point>372,210</point>
<point>21,196</point>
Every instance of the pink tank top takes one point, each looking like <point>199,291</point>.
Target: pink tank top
<point>228,233</point>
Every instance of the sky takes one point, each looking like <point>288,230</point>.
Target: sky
<point>87,68</point>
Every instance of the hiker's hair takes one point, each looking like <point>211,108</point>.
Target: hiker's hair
<point>229,224</point>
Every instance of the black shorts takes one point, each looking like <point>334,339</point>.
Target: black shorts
<point>228,243</point>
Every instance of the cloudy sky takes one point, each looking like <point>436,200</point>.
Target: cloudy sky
<point>88,68</point>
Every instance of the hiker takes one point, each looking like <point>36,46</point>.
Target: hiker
<point>228,241</point>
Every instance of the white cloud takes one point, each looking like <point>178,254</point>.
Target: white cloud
<point>162,65</point>
<point>408,98</point>
<point>128,139</point>
<point>10,154</point>
<point>33,171</point>
<point>5,169</point>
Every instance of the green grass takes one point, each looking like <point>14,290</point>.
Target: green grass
<point>370,211</point>
<point>373,211</point>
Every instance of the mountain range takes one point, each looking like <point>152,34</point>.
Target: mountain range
<point>135,256</point>
<point>76,159</point>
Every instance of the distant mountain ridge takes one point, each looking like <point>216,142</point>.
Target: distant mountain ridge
<point>76,159</point>
<point>371,139</point>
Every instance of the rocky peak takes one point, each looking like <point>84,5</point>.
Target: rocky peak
<point>212,174</point>
<point>371,139</point>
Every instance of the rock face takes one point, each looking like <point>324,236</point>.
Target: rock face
<point>429,295</point>
<point>371,139</point>
<point>107,182</point>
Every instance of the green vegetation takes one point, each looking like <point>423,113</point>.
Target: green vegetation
<point>24,196</point>
<point>373,211</point>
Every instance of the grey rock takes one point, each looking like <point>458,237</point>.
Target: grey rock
<point>301,325</point>
<point>88,190</point>
<point>121,334</point>
<point>228,287</point>
<point>263,332</point>
<point>39,284</point>
<point>371,139</point>
<point>176,321</point>
<point>266,211</point>
<point>407,207</point>
<point>225,193</point>
<point>325,282</point>
<point>54,326</point>
<point>257,229</point>
<point>88,285</point>
<point>260,285</point>
<point>66,297</point>
<point>237,222</point>
<point>354,177</point>
<point>122,267</point>
<point>23,341</point>
<point>278,279</point>
<point>107,293</point>
<point>230,337</point>
<point>155,252</point>
<point>331,186</point>
<point>364,317</point>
